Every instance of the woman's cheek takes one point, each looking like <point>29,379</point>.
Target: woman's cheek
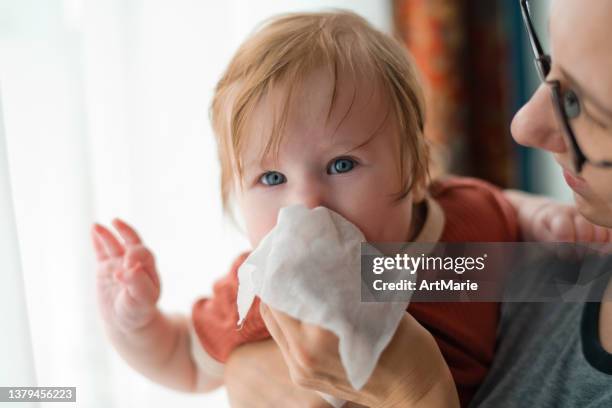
<point>603,186</point>
<point>599,182</point>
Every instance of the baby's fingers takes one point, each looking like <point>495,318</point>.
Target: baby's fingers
<point>110,242</point>
<point>129,235</point>
<point>588,232</point>
<point>99,249</point>
<point>602,235</point>
<point>562,229</point>
<point>138,253</point>
<point>139,285</point>
<point>141,254</point>
<point>585,231</point>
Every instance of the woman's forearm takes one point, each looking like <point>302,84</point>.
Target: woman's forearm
<point>411,372</point>
<point>441,394</point>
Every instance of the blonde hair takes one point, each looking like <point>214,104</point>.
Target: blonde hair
<point>284,50</point>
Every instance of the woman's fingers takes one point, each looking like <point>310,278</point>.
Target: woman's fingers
<point>288,350</point>
<point>289,329</point>
<point>286,322</point>
<point>274,329</point>
<point>110,242</point>
<point>129,235</point>
<point>309,350</point>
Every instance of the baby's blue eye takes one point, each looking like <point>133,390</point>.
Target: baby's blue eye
<point>272,178</point>
<point>342,165</point>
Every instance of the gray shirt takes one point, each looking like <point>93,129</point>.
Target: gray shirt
<point>548,355</point>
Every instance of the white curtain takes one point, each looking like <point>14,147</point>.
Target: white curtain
<point>105,108</point>
<point>17,369</point>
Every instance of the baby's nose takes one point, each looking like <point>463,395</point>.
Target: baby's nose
<point>310,195</point>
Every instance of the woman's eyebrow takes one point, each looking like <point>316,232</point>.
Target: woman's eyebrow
<point>586,95</point>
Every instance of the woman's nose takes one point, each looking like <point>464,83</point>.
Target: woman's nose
<point>536,125</point>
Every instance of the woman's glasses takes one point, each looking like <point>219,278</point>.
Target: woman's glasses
<point>594,144</point>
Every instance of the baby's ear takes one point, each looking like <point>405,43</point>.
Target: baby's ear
<point>419,191</point>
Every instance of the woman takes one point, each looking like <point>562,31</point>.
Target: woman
<point>548,354</point>
<point>565,359</point>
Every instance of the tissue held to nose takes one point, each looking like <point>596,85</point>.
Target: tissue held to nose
<point>308,266</point>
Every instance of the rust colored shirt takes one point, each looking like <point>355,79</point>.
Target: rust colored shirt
<point>459,210</point>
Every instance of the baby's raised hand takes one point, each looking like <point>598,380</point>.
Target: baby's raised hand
<point>556,222</point>
<point>128,285</point>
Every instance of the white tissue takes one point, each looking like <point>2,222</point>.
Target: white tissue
<point>308,266</point>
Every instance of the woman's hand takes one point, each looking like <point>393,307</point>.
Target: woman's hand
<point>410,372</point>
<point>257,376</point>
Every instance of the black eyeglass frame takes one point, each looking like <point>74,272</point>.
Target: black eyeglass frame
<point>543,65</point>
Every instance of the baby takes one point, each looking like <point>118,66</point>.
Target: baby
<point>319,109</point>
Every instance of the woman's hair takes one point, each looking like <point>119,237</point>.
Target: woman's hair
<point>284,50</point>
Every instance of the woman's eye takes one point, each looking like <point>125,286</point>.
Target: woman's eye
<point>272,178</point>
<point>342,165</point>
<point>571,104</point>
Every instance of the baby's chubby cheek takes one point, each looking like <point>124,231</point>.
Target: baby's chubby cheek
<point>378,220</point>
<point>258,229</point>
<point>259,221</point>
<point>368,220</point>
<point>383,223</point>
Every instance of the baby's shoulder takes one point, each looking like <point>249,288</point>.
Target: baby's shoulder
<point>467,187</point>
<point>475,210</point>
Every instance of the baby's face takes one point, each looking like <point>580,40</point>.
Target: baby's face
<point>348,163</point>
